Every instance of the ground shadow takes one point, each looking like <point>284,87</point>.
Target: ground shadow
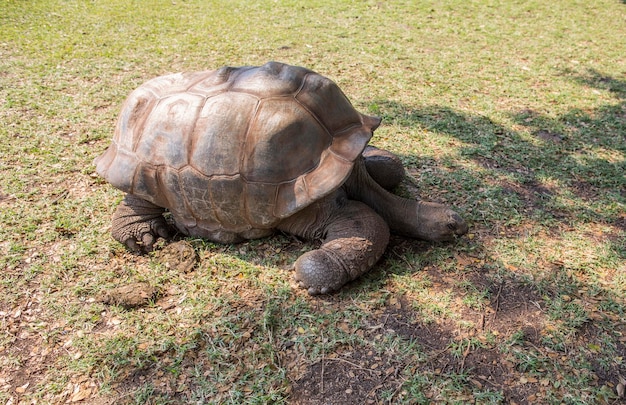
<point>359,375</point>
<point>579,154</point>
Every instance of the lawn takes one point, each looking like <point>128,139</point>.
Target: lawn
<point>512,112</point>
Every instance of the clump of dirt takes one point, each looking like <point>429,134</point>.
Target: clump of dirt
<point>130,296</point>
<point>180,256</point>
<point>549,136</point>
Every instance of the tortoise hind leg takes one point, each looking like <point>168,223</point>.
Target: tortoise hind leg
<point>138,223</point>
<point>383,166</point>
<point>354,238</point>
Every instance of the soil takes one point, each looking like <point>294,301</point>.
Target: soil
<point>130,296</point>
<point>179,256</point>
<point>358,377</point>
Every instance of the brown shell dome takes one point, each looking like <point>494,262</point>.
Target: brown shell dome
<point>235,148</point>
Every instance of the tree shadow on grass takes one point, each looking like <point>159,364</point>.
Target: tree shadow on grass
<point>578,157</point>
<point>555,173</point>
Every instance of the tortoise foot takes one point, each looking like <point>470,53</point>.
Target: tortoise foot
<point>318,273</point>
<point>138,224</point>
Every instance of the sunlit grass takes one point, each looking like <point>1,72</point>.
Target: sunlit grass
<point>514,113</point>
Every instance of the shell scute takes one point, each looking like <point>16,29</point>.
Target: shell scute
<point>118,167</point>
<point>295,195</point>
<point>174,83</point>
<point>214,82</point>
<point>135,112</point>
<point>270,80</point>
<point>284,142</point>
<point>261,204</point>
<point>195,189</point>
<point>229,206</point>
<point>167,133</point>
<point>148,180</point>
<point>328,103</point>
<point>220,133</point>
<point>169,184</point>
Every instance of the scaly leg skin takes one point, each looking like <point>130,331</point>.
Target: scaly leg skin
<point>416,219</point>
<point>355,239</point>
<point>383,166</point>
<point>138,223</point>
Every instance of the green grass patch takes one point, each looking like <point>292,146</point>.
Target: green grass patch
<point>512,112</point>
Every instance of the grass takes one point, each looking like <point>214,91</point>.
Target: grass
<point>512,112</point>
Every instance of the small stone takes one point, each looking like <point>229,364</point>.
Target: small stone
<point>22,389</point>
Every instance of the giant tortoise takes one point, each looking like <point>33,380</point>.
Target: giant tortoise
<point>241,152</point>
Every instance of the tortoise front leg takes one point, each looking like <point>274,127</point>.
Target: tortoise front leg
<point>138,223</point>
<point>416,219</point>
<point>383,166</point>
<point>354,238</point>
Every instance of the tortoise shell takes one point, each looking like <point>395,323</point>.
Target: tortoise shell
<point>236,148</point>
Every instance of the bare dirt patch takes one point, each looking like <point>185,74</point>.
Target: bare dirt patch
<point>349,377</point>
<point>356,376</point>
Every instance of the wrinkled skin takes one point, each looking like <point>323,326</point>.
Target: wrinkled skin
<point>353,222</point>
